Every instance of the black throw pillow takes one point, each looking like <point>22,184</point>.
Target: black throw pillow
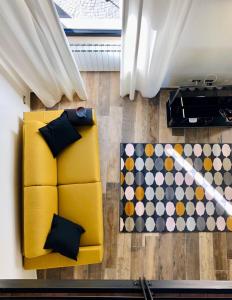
<point>64,237</point>
<point>80,117</point>
<point>59,133</point>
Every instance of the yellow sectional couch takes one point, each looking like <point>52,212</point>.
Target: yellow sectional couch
<point>68,185</point>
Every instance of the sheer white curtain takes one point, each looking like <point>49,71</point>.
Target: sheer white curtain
<point>34,51</point>
<point>151,29</point>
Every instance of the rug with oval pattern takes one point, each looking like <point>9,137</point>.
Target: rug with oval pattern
<point>175,187</point>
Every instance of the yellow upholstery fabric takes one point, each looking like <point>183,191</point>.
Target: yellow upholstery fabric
<point>39,166</point>
<point>87,255</point>
<point>42,116</point>
<point>79,163</point>
<point>47,116</point>
<point>40,203</point>
<point>82,204</point>
<point>76,195</point>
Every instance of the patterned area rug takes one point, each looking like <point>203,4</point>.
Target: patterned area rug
<point>176,188</point>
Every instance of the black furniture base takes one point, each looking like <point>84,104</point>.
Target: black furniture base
<point>199,107</point>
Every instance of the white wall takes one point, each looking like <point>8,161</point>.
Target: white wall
<point>11,113</point>
<point>205,46</point>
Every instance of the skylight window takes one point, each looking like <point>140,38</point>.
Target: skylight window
<point>90,14</point>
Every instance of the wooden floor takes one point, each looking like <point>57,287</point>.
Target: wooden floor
<point>156,256</point>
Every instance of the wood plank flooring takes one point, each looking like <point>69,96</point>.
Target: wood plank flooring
<point>156,256</point>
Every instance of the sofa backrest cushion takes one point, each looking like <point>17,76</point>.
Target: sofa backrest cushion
<point>40,204</point>
<point>39,165</point>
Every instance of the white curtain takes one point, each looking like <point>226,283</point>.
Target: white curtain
<point>151,29</point>
<point>34,51</point>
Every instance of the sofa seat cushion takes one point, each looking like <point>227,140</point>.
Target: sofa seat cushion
<point>82,204</point>
<point>40,204</point>
<point>79,163</point>
<point>39,165</point>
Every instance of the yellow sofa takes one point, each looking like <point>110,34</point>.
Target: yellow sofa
<point>68,185</point>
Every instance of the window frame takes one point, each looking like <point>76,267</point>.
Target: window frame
<point>93,32</point>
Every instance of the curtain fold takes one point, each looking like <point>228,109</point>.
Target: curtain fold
<point>34,51</point>
<point>150,33</point>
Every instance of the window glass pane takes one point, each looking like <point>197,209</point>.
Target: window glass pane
<point>89,14</point>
